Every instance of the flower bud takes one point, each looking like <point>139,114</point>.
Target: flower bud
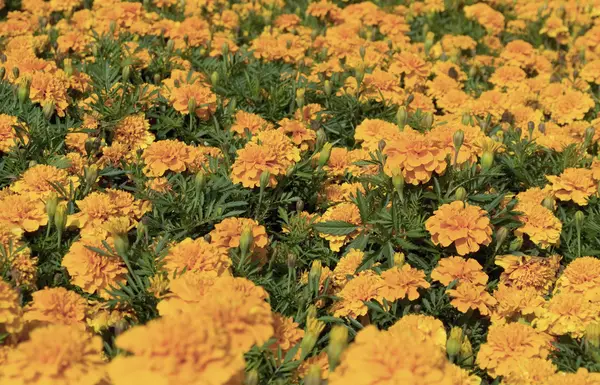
<point>246,240</point>
<point>200,180</point>
<point>516,244</point>
<point>530,128</point>
<point>192,105</point>
<point>60,218</point>
<point>125,73</point>
<point>427,120</point>
<point>91,174</point>
<point>409,99</point>
<point>458,139</point>
<point>460,194</point>
<point>589,134</point>
<point>121,243</point>
<point>214,78</point>
<point>314,327</point>
<point>313,377</point>
<point>51,206</point>
<point>398,181</point>
<point>338,341</point>
<point>542,128</point>
<point>487,160</point>
<point>454,341</point>
<point>16,72</point>
<point>321,138</point>
<point>466,119</point>
<point>325,154</point>
<point>327,88</point>
<point>399,259</point>
<point>402,117</point>
<point>381,145</point>
<point>314,276</point>
<point>466,352</point>
<point>48,109</point>
<point>299,205</point>
<point>2,72</point>
<point>224,49</point>
<point>501,235</point>
<point>579,218</point>
<point>170,45</point>
<point>23,92</point>
<point>291,261</point>
<point>265,178</point>
<point>251,377</point>
<point>548,203</point>
<point>592,334</point>
<point>68,65</point>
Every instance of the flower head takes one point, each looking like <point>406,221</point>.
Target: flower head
<point>346,267</point>
<point>11,314</point>
<point>468,296</point>
<point>574,184</point>
<point>513,303</point>
<point>540,224</point>
<point>461,269</point>
<point>197,255</point>
<point>567,313</point>
<point>428,327</point>
<point>346,212</point>
<point>133,131</point>
<point>581,275</point>
<point>287,333</point>
<point>11,131</point>
<point>403,282</point>
<point>39,180</point>
<point>166,155</point>
<point>56,306</point>
<point>524,271</point>
<point>365,287</point>
<point>24,212</point>
<point>252,122</point>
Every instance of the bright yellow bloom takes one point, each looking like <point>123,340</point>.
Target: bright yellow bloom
<point>427,327</point>
<point>346,267</point>
<point>39,180</point>
<point>166,155</point>
<point>365,287</point>
<point>11,314</point>
<point>461,269</point>
<point>540,224</point>
<point>24,212</point>
<point>574,184</point>
<point>515,302</point>
<point>580,276</point>
<point>467,296</point>
<point>532,371</point>
<point>525,271</point>
<point>197,255</point>
<point>567,313</point>
<point>287,333</point>
<point>403,282</point>
<point>9,135</point>
<point>56,306</point>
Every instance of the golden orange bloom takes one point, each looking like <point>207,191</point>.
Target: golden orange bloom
<point>346,212</point>
<point>525,271</point>
<point>465,225</point>
<point>461,269</point>
<point>197,255</point>
<point>228,232</point>
<point>580,276</point>
<point>507,344</point>
<point>581,377</point>
<point>38,181</point>
<point>468,296</point>
<point>540,224</point>
<point>253,122</point>
<point>514,303</point>
<point>166,155</point>
<point>346,267</point>
<point>299,132</point>
<point>530,371</point>
<point>185,291</point>
<point>287,333</point>
<point>365,287</point>
<point>11,314</point>
<point>470,149</point>
<point>92,271</point>
<point>50,88</point>
<point>403,282</point>
<point>371,131</point>
<point>9,135</point>
<point>576,184</point>
<point>56,306</point>
<point>425,326</point>
<point>23,268</point>
<point>567,313</point>
<point>205,100</point>
<point>24,212</point>
<point>56,354</point>
<point>133,131</point>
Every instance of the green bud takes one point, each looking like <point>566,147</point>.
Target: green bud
<point>265,179</point>
<point>398,181</point>
<point>15,72</point>
<point>402,117</point>
<point>466,119</point>
<point>501,235</point>
<point>225,49</point>
<point>251,377</point>
<point>192,105</point>
<point>200,180</point>
<point>246,240</point>
<point>321,138</point>
<point>91,174</point>
<point>170,45</point>
<point>548,203</point>
<point>125,73</point>
<point>314,276</point>
<point>458,139</point>
<point>454,342</point>
<point>23,92</point>
<point>157,78</point>
<point>516,244</point>
<point>487,160</point>
<point>51,205</point>
<point>579,218</point>
<point>60,218</point>
<point>466,352</point>
<point>48,109</point>
<point>427,120</point>
<point>325,154</point>
<point>338,341</point>
<point>362,51</point>
<point>327,87</point>
<point>121,243</point>
<point>589,134</point>
<point>214,78</point>
<point>460,194</point>
<point>313,377</point>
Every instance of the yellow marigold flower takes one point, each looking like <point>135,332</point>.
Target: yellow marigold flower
<point>416,155</point>
<point>426,327</point>
<point>56,306</point>
<point>23,268</point>
<point>38,181</point>
<point>567,313</point>
<point>581,377</point>
<point>160,185</point>
<point>532,371</point>
<point>514,303</point>
<point>205,100</point>
<point>468,296</point>
<point>310,112</point>
<point>346,212</point>
<point>339,162</point>
<point>580,276</point>
<point>50,88</point>
<point>197,255</point>
<point>287,333</point>
<point>366,286</point>
<point>461,269</point>
<point>403,282</point>
<point>336,193</point>
<point>492,20</point>
<point>533,196</point>
<point>346,267</point>
<point>176,350</point>
<point>371,131</point>
<point>56,354</point>
<point>299,132</point>
<point>166,155</point>
<point>321,360</point>
<point>227,235</point>
<point>381,357</point>
<point>525,271</point>
<point>11,314</point>
<point>115,154</point>
<point>465,225</point>
<point>540,224</point>
<point>570,106</point>
<point>25,212</point>
<point>509,343</point>
<point>92,271</point>
<point>247,120</point>
<point>9,135</point>
<point>133,131</point>
<point>574,184</point>
<point>200,157</point>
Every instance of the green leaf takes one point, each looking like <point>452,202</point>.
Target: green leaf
<point>335,227</point>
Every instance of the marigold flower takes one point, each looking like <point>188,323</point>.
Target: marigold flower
<point>25,212</point>
<point>514,303</point>
<point>365,287</point>
<point>299,132</point>
<point>11,314</point>
<point>50,88</point>
<point>576,184</point>
<point>247,120</point>
<point>38,181</point>
<point>581,377</point>
<point>336,193</point>
<point>461,269</point>
<point>205,100</point>
<point>56,306</point>
<point>468,296</point>
<point>567,313</point>
<point>23,268</point>
<point>346,212</point>
<point>92,271</point>
<point>525,271</point>
<point>227,235</point>
<point>425,326</point>
<point>580,275</point>
<point>197,255</point>
<point>133,131</point>
<point>11,132</point>
<point>507,344</point>
<point>56,354</point>
<point>470,149</point>
<point>287,333</point>
<point>346,267</point>
<point>465,225</point>
<point>403,282</point>
<point>166,155</point>
<point>185,291</point>
<point>176,349</point>
<point>530,371</point>
<point>540,224</point>
<point>371,131</point>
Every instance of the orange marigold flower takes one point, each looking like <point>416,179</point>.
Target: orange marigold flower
<point>425,326</point>
<point>567,313</point>
<point>468,296</point>
<point>465,225</point>
<point>336,193</point>
<point>287,333</point>
<point>514,303</point>
<point>166,155</point>
<point>38,181</point>
<point>56,306</point>
<point>133,131</point>
<point>414,154</point>
<point>371,131</point>
<point>346,267</point>
<point>570,106</point>
<point>228,232</point>
<point>321,360</point>
<point>403,282</point>
<point>508,76</point>
<point>185,291</point>
<point>299,132</point>
<point>540,224</point>
<point>461,269</point>
<point>197,255</point>
<point>532,371</point>
<point>366,286</point>
<point>581,377</point>
<point>507,344</point>
<point>23,268</point>
<point>470,149</point>
<point>574,184</point>
<point>176,350</point>
<point>56,354</point>
<point>92,271</point>
<point>204,99</point>
<point>533,196</point>
<point>525,271</point>
<point>12,132</point>
<point>50,88</point>
<point>160,185</point>
<point>345,212</point>
<point>591,72</point>
<point>11,314</point>
<point>581,275</point>
<point>247,120</point>
<point>25,212</point>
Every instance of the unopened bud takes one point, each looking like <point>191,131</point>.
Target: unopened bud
<point>516,244</point>
<point>68,65</point>
<point>23,92</point>
<point>460,194</point>
<point>487,160</point>
<point>48,109</point>
<point>225,49</point>
<point>313,377</point>
<point>314,276</point>
<point>548,203</point>
<point>454,342</point>
<point>402,117</point>
<point>501,235</point>
<point>327,87</point>
<point>399,259</point>
<point>170,45</point>
<point>192,105</point>
<point>60,218</point>
<point>200,180</point>
<point>530,128</point>
<point>214,78</point>
<point>265,179</point>
<point>91,174</point>
<point>338,341</point>
<point>589,134</point>
<point>579,218</point>
<point>321,138</point>
<point>466,119</point>
<point>409,99</point>
<point>466,352</point>
<point>427,120</point>
<point>51,206</point>
<point>246,240</point>
<point>125,73</point>
<point>291,261</point>
<point>251,377</point>
<point>157,78</point>
<point>458,139</point>
<point>15,72</point>
<point>592,334</point>
<point>299,205</point>
<point>325,154</point>
<point>398,181</point>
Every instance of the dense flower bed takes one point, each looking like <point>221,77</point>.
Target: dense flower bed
<point>216,192</point>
